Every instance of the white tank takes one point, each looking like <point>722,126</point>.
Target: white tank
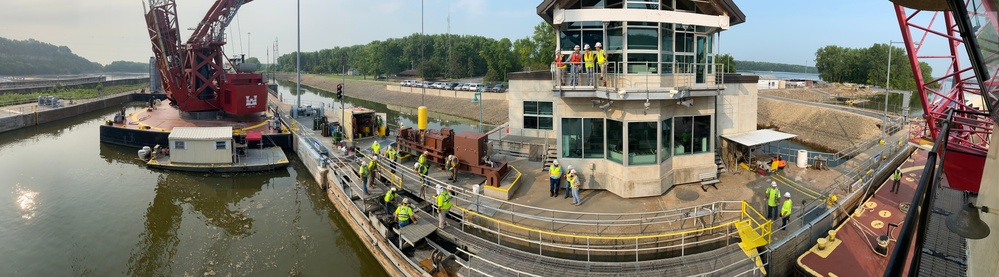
<point>802,158</point>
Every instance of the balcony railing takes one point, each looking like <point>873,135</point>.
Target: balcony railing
<point>636,76</point>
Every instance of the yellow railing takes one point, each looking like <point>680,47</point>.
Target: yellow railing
<point>507,190</point>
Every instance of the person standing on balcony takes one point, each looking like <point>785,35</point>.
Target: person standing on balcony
<point>575,60</point>
<point>589,57</point>
<point>785,210</point>
<point>559,68</point>
<point>602,64</point>
<point>773,195</point>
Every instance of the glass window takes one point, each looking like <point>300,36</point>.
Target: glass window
<point>642,143</point>
<point>684,42</point>
<point>615,141</point>
<point>614,3</point>
<point>615,39</point>
<point>572,138</point>
<point>592,3</point>
<point>642,63</point>
<point>667,59</point>
<point>702,134</point>
<point>667,5</point>
<point>570,39</point>
<point>179,145</point>
<point>667,136</point>
<point>686,5</point>
<point>591,37</point>
<point>643,39</point>
<point>593,140</point>
<point>538,115</point>
<point>667,37</point>
<point>220,145</point>
<point>683,128</point>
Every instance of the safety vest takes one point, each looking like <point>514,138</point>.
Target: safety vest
<point>391,154</point>
<point>423,170</point>
<point>772,195</point>
<point>444,200</point>
<point>601,56</point>
<point>363,170</point>
<point>588,58</point>
<point>575,58</point>
<point>389,196</point>
<point>403,213</point>
<point>555,171</point>
<point>786,209</point>
<point>423,160</point>
<point>376,146</point>
<point>897,175</point>
<point>452,163</point>
<point>372,165</point>
<point>573,181</point>
<point>558,61</point>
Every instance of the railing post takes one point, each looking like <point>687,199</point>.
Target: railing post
<point>636,249</point>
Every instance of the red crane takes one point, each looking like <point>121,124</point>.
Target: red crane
<point>194,74</point>
<point>932,22</point>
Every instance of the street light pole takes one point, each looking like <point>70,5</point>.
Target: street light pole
<point>298,58</point>
<point>423,99</point>
<point>884,122</point>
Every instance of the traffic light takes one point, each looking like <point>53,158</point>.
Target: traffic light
<point>339,91</point>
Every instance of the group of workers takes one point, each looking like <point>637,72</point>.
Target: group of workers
<point>773,197</point>
<point>590,61</point>
<point>555,182</point>
<point>404,212</point>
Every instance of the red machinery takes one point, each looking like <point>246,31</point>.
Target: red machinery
<point>469,147</point>
<point>931,22</point>
<point>193,74</point>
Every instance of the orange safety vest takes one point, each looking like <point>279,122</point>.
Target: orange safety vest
<point>558,61</point>
<point>575,58</point>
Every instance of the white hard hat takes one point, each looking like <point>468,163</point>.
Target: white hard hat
<point>405,200</point>
<point>416,165</point>
<point>555,162</point>
<point>773,183</point>
<point>586,46</point>
<point>569,167</point>
<point>575,47</point>
<point>787,194</point>
<point>440,187</point>
<point>598,45</point>
<point>572,171</point>
<point>394,189</point>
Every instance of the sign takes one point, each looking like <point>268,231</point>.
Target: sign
<point>251,101</point>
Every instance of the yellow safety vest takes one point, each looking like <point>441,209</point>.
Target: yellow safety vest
<point>423,170</point>
<point>376,147</point>
<point>389,196</point>
<point>363,170</point>
<point>897,175</point>
<point>403,213</point>
<point>555,171</point>
<point>423,160</point>
<point>772,195</point>
<point>786,210</point>
<point>573,181</point>
<point>444,200</point>
<point>588,58</point>
<point>601,57</point>
<point>391,154</point>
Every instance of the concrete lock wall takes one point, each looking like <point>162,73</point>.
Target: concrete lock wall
<point>39,117</point>
<point>84,85</point>
<point>447,93</point>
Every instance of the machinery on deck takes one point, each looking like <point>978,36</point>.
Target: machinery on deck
<point>194,74</point>
<point>469,147</point>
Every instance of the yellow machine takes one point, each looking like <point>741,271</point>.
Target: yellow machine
<point>359,123</point>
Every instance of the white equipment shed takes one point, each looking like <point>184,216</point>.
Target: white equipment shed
<point>201,145</point>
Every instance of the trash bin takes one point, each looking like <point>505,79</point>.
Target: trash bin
<point>802,158</point>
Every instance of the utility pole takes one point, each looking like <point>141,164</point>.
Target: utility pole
<point>298,58</point>
<point>423,99</point>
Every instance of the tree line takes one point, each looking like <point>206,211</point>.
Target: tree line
<point>780,67</point>
<point>434,56</point>
<point>868,66</point>
<point>32,57</point>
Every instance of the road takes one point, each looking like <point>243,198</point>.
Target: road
<point>830,106</point>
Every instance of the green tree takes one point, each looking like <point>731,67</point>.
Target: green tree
<point>728,61</point>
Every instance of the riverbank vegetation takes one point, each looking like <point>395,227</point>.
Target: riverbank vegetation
<point>68,93</point>
<point>868,66</point>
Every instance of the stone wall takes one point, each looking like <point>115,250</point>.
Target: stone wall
<point>44,116</point>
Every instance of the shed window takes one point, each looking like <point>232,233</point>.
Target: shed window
<point>179,145</point>
<point>221,145</point>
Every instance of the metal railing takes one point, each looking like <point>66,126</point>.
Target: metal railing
<point>895,125</point>
<point>635,75</point>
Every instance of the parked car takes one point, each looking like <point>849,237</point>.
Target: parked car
<point>496,88</point>
<point>438,85</point>
<point>451,86</point>
<point>464,87</point>
<point>475,87</point>
<point>426,84</point>
<point>406,83</point>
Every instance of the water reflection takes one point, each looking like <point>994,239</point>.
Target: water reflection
<point>208,198</point>
<point>25,200</point>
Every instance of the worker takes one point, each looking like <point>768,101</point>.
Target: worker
<point>378,125</point>
<point>391,155</point>
<point>373,170</point>
<point>781,163</point>
<point>773,195</point>
<point>363,171</point>
<point>423,158</point>
<point>568,185</point>
<point>559,68</point>
<point>575,60</point>
<point>896,179</point>
<point>601,63</point>
<point>444,205</point>
<point>422,170</point>
<point>589,57</point>
<point>574,184</point>
<point>376,147</point>
<point>785,210</point>
<point>404,214</point>
<point>389,198</point>
<point>554,178</point>
<point>451,165</point>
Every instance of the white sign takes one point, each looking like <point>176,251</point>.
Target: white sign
<point>251,101</point>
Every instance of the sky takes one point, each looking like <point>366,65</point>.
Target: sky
<point>782,31</point>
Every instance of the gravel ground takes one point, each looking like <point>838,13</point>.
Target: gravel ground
<point>493,111</point>
<point>815,126</point>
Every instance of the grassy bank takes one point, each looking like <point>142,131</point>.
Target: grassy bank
<point>64,93</point>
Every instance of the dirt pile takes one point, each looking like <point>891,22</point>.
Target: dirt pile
<point>819,127</point>
<point>493,111</point>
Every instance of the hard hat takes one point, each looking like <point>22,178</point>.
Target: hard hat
<point>405,200</point>
<point>787,194</point>
<point>598,45</point>
<point>426,152</point>
<point>773,183</point>
<point>394,189</point>
<point>586,46</point>
<point>416,165</point>
<point>572,171</point>
<point>555,162</point>
<point>440,187</point>
<point>575,47</point>
<point>375,158</point>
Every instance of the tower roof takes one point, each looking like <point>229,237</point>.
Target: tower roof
<point>547,7</point>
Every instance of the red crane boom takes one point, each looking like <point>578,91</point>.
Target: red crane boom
<point>194,74</point>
